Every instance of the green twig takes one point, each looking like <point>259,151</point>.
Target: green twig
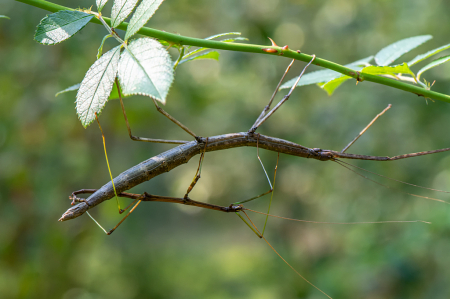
<point>179,58</point>
<point>197,42</point>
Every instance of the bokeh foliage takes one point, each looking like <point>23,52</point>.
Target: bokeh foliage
<point>166,251</point>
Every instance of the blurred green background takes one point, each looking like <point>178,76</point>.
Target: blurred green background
<point>171,251</point>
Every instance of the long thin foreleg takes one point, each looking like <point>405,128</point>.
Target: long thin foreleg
<point>186,129</point>
<point>135,138</point>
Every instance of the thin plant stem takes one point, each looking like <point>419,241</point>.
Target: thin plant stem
<point>251,48</point>
<point>179,58</point>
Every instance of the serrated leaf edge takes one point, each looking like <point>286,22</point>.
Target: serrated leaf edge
<point>428,37</point>
<point>113,20</point>
<point>84,123</point>
<point>161,100</point>
<point>63,39</point>
<point>131,25</point>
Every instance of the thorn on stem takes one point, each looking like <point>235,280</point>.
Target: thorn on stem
<point>269,50</point>
<point>273,43</point>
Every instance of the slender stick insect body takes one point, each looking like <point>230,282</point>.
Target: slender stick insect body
<point>186,150</point>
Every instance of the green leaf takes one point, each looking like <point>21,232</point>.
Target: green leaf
<point>196,51</point>
<point>422,57</point>
<point>145,68</point>
<point>71,88</point>
<point>222,34</point>
<point>120,11</point>
<point>171,45</point>
<point>4,17</point>
<point>331,85</point>
<point>60,26</point>
<point>325,75</point>
<point>233,39</point>
<point>143,13</point>
<point>113,96</point>
<point>431,65</point>
<point>390,53</point>
<point>362,62</point>
<point>100,4</point>
<point>97,85</point>
<point>388,70</point>
<point>207,55</point>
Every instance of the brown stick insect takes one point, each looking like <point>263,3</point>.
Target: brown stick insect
<point>181,154</point>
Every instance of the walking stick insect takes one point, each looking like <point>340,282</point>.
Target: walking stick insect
<point>186,150</point>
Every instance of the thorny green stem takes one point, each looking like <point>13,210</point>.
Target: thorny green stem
<point>198,42</point>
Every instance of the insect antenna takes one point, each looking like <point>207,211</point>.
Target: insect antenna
<point>386,177</point>
<point>322,222</point>
<point>388,187</point>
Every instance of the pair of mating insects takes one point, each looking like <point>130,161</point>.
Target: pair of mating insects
<point>186,150</point>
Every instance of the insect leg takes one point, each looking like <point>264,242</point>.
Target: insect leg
<point>365,129</point>
<point>136,198</point>
<point>270,184</point>
<point>123,219</point>
<point>199,171</point>
<point>263,113</point>
<point>265,172</point>
<point>149,139</point>
<point>286,97</point>
<point>256,231</point>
